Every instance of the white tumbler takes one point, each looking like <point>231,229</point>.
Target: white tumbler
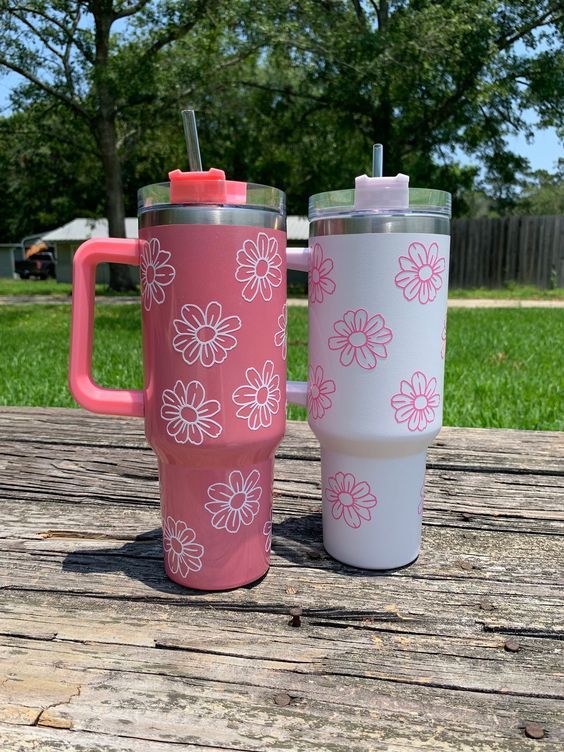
<point>378,278</point>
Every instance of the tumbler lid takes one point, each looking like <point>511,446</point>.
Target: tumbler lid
<point>380,195</point>
<point>206,187</point>
<point>384,193</point>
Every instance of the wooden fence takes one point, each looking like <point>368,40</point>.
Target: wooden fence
<point>491,252</point>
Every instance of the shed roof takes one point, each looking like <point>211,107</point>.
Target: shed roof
<point>83,228</point>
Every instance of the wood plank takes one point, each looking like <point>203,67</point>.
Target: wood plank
<point>40,739</point>
<point>99,650</point>
<point>190,695</point>
<point>464,448</point>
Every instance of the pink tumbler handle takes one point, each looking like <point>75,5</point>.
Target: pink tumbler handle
<point>298,259</point>
<point>87,393</point>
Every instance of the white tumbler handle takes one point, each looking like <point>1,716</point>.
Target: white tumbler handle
<point>298,259</point>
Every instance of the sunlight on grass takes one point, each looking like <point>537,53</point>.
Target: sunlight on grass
<point>503,366</point>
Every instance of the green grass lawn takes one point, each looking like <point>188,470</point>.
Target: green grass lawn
<point>503,367</point>
<point>51,287</point>
<point>23,287</point>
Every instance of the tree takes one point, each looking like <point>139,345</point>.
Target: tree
<point>37,195</point>
<point>424,77</point>
<point>542,192</point>
<point>67,53</point>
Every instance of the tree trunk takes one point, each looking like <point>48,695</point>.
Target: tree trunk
<point>120,275</point>
<point>104,127</point>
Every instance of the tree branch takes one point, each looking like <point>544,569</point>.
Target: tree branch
<point>174,33</point>
<point>47,88</point>
<point>131,10</point>
<point>34,30</point>
<point>67,52</point>
<point>359,11</point>
<point>503,43</point>
<point>288,92</point>
<point>71,36</point>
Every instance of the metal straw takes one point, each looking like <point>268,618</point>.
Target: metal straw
<point>192,143</point>
<point>377,160</point>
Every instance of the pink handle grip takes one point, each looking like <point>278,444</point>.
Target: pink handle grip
<point>299,259</point>
<point>88,394</point>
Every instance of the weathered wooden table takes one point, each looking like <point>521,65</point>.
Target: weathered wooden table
<point>100,651</point>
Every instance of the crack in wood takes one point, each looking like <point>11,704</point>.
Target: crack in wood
<point>173,645</point>
<point>548,634</point>
<point>45,718</point>
<point>424,681</point>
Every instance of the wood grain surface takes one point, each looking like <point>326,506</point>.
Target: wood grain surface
<point>100,651</point>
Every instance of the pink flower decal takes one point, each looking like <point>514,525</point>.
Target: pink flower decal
<point>258,267</point>
<point>361,339</point>
<point>318,391</point>
<point>319,281</point>
<point>188,414</point>
<point>350,500</point>
<point>236,502</point>
<point>259,398</point>
<point>267,531</point>
<point>421,500</point>
<point>204,336</point>
<point>281,336</point>
<point>421,270</point>
<point>443,337</point>
<point>181,550</point>
<point>156,273</point>
<point>416,402</point>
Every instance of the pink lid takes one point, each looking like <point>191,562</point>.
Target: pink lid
<point>209,187</point>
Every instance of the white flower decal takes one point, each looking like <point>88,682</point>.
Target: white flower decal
<point>320,283</point>
<point>156,273</point>
<point>281,337</point>
<point>179,542</point>
<point>318,391</point>
<point>258,266</point>
<point>204,336</point>
<point>416,402</point>
<point>188,414</point>
<point>350,500</point>
<point>236,502</point>
<point>361,338</point>
<point>421,271</point>
<point>267,531</point>
<point>259,398</point>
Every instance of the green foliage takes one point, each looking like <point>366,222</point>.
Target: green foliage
<point>289,94</point>
<point>543,193</point>
<point>499,370</point>
<point>51,173</point>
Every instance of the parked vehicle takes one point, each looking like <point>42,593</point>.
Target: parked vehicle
<point>39,262</point>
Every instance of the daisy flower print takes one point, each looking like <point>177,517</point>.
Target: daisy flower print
<point>259,267</point>
<point>183,553</point>
<point>156,273</point>
<point>259,398</point>
<point>318,390</point>
<point>281,335</point>
<point>205,337</point>
<point>421,275</point>
<point>350,500</point>
<point>320,283</point>
<point>188,415</point>
<point>416,402</point>
<point>361,339</point>
<point>236,502</point>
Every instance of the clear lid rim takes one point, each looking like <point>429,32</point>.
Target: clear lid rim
<point>421,201</point>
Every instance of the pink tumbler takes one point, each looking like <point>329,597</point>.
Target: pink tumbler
<point>213,290</point>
